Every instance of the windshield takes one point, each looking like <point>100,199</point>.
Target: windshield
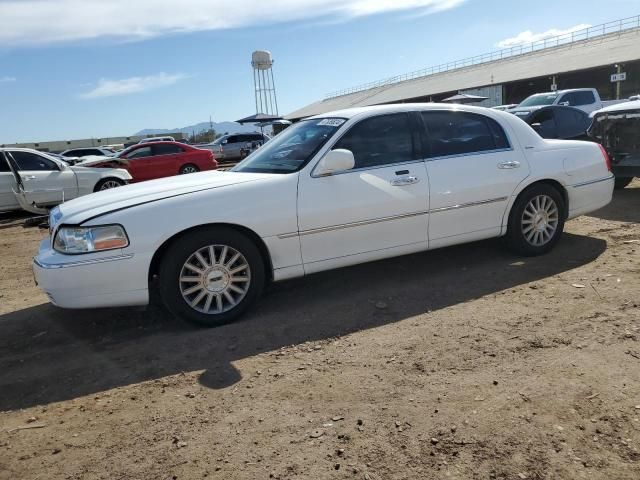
<point>293,148</point>
<point>539,99</point>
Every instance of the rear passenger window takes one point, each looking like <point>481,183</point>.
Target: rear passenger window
<point>166,149</point>
<point>380,140</point>
<point>458,133</point>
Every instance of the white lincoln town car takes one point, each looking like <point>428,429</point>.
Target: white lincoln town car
<point>333,190</point>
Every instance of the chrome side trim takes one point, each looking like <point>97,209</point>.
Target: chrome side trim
<point>591,182</point>
<point>80,263</point>
<point>349,225</point>
<point>386,219</point>
<point>470,204</point>
<point>470,154</point>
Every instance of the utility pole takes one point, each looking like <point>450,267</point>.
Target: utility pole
<point>618,83</point>
<point>211,128</point>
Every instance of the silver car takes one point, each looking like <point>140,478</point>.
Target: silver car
<point>235,146</point>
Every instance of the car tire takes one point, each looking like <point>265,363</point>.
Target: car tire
<point>536,220</point>
<point>108,183</point>
<point>206,291</point>
<point>188,168</point>
<point>622,182</point>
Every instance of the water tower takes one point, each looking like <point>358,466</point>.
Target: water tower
<point>265,89</point>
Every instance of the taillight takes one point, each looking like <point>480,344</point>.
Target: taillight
<point>607,160</point>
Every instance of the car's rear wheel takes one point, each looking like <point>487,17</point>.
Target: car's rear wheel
<point>536,220</point>
<point>211,276</point>
<point>188,168</point>
<point>622,182</point>
<point>108,183</point>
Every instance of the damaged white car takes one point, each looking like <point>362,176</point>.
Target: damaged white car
<point>34,181</point>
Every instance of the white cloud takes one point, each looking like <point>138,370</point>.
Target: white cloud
<point>27,22</point>
<point>528,36</point>
<point>126,86</point>
<point>7,79</point>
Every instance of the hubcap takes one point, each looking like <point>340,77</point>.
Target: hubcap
<point>109,184</point>
<point>189,170</point>
<point>214,279</point>
<point>540,220</point>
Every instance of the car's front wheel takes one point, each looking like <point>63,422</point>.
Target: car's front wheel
<point>108,183</point>
<point>536,220</point>
<point>211,276</point>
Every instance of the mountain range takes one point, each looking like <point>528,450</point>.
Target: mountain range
<point>219,127</point>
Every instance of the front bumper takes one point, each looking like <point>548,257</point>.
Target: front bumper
<point>113,279</point>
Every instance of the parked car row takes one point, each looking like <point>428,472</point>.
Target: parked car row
<point>333,190</point>
<point>151,160</point>
<point>35,181</point>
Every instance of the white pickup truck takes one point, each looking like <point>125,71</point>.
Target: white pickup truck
<point>586,99</point>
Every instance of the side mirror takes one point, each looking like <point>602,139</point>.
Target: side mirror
<point>224,142</point>
<point>564,104</point>
<point>337,160</point>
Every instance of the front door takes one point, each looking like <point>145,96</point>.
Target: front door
<point>473,169</point>
<point>379,208</point>
<point>44,182</point>
<point>7,186</point>
<point>142,163</point>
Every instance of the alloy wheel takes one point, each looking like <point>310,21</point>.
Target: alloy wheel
<point>214,279</point>
<point>540,220</point>
<point>110,184</point>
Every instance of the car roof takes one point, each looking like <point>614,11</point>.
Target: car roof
<point>406,107</point>
<point>157,142</point>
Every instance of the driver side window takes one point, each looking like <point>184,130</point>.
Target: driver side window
<point>28,161</point>
<point>140,153</point>
<point>380,140</point>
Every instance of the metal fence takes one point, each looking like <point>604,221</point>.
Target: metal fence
<point>564,39</point>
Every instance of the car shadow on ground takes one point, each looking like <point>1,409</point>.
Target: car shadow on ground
<point>625,206</point>
<point>49,354</point>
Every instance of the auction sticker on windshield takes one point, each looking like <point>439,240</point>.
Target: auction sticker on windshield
<point>332,122</point>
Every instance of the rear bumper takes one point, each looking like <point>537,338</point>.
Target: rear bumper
<point>112,280</point>
<point>590,196</point>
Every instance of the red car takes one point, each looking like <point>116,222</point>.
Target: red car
<point>151,160</point>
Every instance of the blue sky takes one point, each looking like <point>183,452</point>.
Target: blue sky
<point>97,68</point>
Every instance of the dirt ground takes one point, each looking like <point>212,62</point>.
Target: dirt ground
<point>461,363</point>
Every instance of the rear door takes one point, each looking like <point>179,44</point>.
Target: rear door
<point>473,169</point>
<point>46,183</point>
<point>167,157</point>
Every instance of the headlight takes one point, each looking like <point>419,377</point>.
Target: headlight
<point>90,239</point>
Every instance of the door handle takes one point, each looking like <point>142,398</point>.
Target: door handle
<point>507,165</point>
<point>29,177</point>
<point>401,182</point>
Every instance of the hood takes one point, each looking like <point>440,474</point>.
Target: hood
<point>524,111</point>
<point>90,160</point>
<point>620,107</point>
<point>80,209</point>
